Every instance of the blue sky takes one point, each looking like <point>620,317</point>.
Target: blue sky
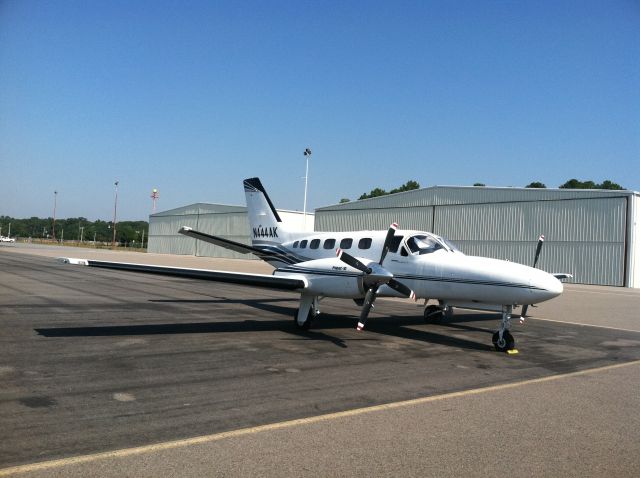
<point>192,97</point>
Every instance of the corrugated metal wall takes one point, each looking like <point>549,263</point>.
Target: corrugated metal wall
<point>229,222</point>
<point>585,233</point>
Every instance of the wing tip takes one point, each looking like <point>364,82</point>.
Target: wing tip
<point>73,261</point>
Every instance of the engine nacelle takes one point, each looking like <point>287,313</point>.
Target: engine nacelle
<point>330,277</point>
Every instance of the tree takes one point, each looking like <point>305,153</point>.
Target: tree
<point>481,185</point>
<point>536,184</point>
<point>377,192</point>
<point>576,184</point>
<point>344,200</point>
<point>607,184</point>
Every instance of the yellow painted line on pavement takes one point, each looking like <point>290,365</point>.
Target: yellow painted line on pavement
<point>77,460</point>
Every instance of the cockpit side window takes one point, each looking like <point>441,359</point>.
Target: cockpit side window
<point>421,244</point>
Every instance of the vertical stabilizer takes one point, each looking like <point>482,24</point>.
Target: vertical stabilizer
<point>265,224</point>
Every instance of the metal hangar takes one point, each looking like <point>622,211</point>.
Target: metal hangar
<point>593,234</point>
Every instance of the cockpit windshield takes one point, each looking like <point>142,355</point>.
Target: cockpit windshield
<point>422,244</point>
<point>450,245</point>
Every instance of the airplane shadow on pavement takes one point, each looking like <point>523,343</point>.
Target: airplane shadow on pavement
<point>392,326</point>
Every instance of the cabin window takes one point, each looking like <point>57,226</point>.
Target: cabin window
<point>303,244</point>
<point>314,244</point>
<point>329,243</point>
<point>403,252</point>
<point>364,243</point>
<point>423,244</point>
<point>295,244</point>
<point>346,243</point>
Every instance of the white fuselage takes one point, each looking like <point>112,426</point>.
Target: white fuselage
<point>428,264</point>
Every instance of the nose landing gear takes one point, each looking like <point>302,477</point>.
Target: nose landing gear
<point>502,340</point>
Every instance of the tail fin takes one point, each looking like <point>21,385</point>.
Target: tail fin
<point>266,226</point>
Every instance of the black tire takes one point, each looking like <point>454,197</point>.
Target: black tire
<point>508,342</point>
<point>433,314</point>
<point>307,323</point>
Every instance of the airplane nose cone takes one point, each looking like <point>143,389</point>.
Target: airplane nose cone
<point>545,285</point>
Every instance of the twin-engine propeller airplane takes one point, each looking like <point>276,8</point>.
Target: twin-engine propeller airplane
<point>364,265</point>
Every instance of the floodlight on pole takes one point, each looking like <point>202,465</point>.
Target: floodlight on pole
<point>154,196</point>
<point>115,210</point>
<point>307,155</point>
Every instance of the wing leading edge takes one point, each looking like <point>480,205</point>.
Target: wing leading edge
<point>255,280</point>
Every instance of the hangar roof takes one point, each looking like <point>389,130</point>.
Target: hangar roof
<point>444,195</point>
<point>209,208</point>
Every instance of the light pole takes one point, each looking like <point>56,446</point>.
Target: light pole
<point>115,211</point>
<point>307,155</point>
<point>55,203</point>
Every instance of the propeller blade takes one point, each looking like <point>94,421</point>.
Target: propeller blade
<point>403,289</point>
<point>538,249</point>
<point>387,241</point>
<point>525,307</point>
<point>352,261</point>
<point>369,299</point>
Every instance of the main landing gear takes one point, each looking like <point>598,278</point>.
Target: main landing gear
<point>313,308</point>
<point>502,340</point>
<point>435,313</point>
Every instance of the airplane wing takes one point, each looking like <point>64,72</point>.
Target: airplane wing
<point>256,280</point>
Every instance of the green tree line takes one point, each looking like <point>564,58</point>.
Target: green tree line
<point>570,184</point>
<point>74,229</point>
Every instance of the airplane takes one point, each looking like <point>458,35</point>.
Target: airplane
<point>364,265</point>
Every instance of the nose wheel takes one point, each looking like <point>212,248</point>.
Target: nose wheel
<point>504,343</point>
<point>502,340</point>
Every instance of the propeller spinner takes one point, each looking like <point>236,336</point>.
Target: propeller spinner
<point>374,276</point>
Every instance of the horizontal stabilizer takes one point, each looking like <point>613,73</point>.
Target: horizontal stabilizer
<point>219,241</point>
<point>256,280</point>
<point>263,253</point>
<point>562,275</point>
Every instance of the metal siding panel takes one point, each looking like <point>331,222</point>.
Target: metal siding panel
<point>420,218</point>
<point>169,225</point>
<point>590,263</point>
<point>171,244</point>
<point>589,220</point>
<point>224,224</point>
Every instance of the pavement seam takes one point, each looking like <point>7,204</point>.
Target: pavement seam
<point>125,452</point>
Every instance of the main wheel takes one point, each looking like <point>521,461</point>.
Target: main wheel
<point>507,342</point>
<point>433,313</point>
<point>307,323</point>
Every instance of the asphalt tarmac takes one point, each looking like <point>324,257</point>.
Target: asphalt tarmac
<point>106,373</point>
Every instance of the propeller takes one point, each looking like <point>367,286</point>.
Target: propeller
<point>523,314</point>
<point>374,276</point>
